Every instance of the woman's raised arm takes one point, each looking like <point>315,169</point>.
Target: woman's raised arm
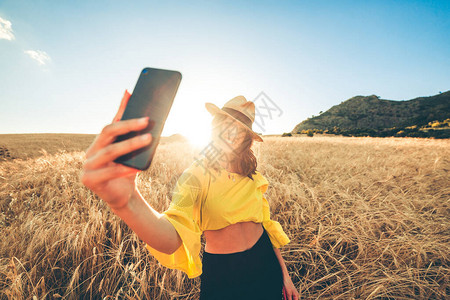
<point>116,184</point>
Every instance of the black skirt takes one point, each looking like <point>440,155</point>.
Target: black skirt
<point>251,274</point>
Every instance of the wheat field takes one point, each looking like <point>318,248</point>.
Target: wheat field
<point>368,218</point>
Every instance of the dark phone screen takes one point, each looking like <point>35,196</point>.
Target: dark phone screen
<point>153,96</point>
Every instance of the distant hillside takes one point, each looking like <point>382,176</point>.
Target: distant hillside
<point>371,112</point>
<point>173,138</point>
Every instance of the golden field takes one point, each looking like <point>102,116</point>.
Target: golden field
<point>368,218</point>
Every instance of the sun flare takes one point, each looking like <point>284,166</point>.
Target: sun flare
<point>200,137</point>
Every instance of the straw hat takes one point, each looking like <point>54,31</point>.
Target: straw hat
<point>239,109</point>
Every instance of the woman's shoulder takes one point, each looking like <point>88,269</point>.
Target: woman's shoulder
<point>196,171</point>
<point>261,181</point>
<point>259,175</point>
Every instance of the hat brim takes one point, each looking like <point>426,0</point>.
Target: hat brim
<point>213,110</point>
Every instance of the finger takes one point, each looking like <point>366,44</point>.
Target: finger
<point>288,295</point>
<point>113,151</point>
<point>91,146</point>
<point>111,131</point>
<point>95,177</point>
<point>118,116</point>
<point>123,104</point>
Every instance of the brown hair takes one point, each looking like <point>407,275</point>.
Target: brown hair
<point>244,161</point>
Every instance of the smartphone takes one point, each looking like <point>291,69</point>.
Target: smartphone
<point>152,96</point>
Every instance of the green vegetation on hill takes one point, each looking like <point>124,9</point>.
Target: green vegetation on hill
<point>372,116</point>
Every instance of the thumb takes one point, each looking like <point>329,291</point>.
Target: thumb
<point>123,105</point>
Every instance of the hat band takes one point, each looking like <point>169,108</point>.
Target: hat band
<point>239,116</point>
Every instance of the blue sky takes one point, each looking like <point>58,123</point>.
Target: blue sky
<point>64,65</point>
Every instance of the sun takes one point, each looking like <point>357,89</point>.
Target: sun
<point>191,119</point>
<point>198,135</point>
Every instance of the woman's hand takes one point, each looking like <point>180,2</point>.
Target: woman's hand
<point>289,290</point>
<point>114,182</point>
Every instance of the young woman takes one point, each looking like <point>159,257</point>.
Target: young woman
<point>219,195</point>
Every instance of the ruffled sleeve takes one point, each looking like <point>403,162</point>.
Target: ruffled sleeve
<point>276,234</point>
<point>183,214</point>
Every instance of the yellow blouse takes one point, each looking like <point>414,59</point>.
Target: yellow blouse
<point>225,202</point>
